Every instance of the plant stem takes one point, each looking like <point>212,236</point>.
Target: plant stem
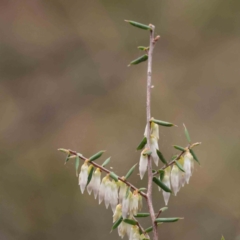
<point>107,171</point>
<point>148,111</point>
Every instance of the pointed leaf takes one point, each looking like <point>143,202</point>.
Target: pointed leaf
<point>142,144</point>
<point>67,158</point>
<point>179,148</point>
<point>90,175</point>
<point>114,176</point>
<point>63,150</point>
<point>222,238</point>
<point>161,185</point>
<point>143,48</point>
<point>167,219</point>
<point>96,156</point>
<point>161,157</point>
<point>187,133</point>
<point>179,166</point>
<point>174,157</point>
<point>129,173</point>
<point>77,162</point>
<point>143,58</point>
<point>163,209</point>
<point>194,156</point>
<point>149,229</point>
<point>139,25</point>
<point>162,123</point>
<point>139,215</point>
<point>127,192</point>
<point>130,221</point>
<point>117,223</point>
<point>162,173</point>
<point>106,162</point>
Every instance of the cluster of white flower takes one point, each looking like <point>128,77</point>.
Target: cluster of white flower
<point>173,176</point>
<point>124,203</point>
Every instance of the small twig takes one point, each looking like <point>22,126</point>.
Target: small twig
<point>107,171</point>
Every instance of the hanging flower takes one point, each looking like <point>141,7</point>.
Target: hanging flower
<point>108,192</point>
<point>175,179</point>
<point>154,130</point>
<point>114,195</point>
<point>90,185</point>
<point>134,234</point>
<point>96,181</point>
<point>143,163</point>
<point>188,165</point>
<point>133,207</point>
<point>83,176</point>
<point>166,181</point>
<point>122,191</point>
<point>102,189</point>
<point>117,213</point>
<point>125,205</point>
<point>123,229</point>
<point>153,148</point>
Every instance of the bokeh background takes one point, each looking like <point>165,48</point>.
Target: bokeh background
<point>64,82</point>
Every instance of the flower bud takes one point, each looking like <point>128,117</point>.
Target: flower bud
<point>188,165</point>
<point>143,164</point>
<point>153,149</point>
<point>117,213</point>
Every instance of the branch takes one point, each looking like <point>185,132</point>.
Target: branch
<point>108,172</point>
<point>148,111</point>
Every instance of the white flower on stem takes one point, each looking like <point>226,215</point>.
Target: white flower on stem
<point>117,213</point>
<point>175,179</point>
<point>143,164</point>
<point>123,229</point>
<point>90,185</point>
<point>114,195</point>
<point>181,174</point>
<point>83,176</point>
<point>133,207</point>
<point>166,181</point>
<point>187,166</point>
<point>101,193</point>
<point>153,149</point>
<point>125,204</point>
<point>108,192</point>
<point>96,181</point>
<point>122,191</point>
<point>134,235</point>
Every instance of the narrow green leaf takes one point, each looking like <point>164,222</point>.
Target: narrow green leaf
<point>179,148</point>
<point>163,209</point>
<point>142,189</point>
<point>117,223</point>
<point>129,173</point>
<point>162,123</point>
<point>147,230</point>
<point>143,48</point>
<point>142,144</point>
<point>139,25</point>
<point>161,185</point>
<point>143,58</point>
<point>63,150</point>
<point>127,192</point>
<point>77,162</point>
<point>90,175</point>
<point>222,238</point>
<point>174,157</point>
<point>162,173</point>
<point>106,162</point>
<point>187,133</point>
<point>179,166</point>
<point>96,156</point>
<point>140,215</point>
<point>130,221</point>
<point>147,152</point>
<point>67,158</point>
<point>167,219</point>
<point>194,156</point>
<point>161,157</point>
<point>114,176</point>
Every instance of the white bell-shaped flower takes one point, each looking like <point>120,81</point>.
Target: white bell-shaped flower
<point>166,181</point>
<point>143,164</point>
<point>153,149</point>
<point>134,234</point>
<point>90,185</point>
<point>133,208</point>
<point>83,176</point>
<point>96,181</point>
<point>123,229</point>
<point>101,193</point>
<point>117,213</point>
<point>154,130</point>
<point>122,191</point>
<point>126,205</point>
<point>175,179</point>
<point>114,195</point>
<point>108,192</point>
<point>187,166</point>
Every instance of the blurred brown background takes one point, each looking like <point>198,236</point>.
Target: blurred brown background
<point>64,83</point>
